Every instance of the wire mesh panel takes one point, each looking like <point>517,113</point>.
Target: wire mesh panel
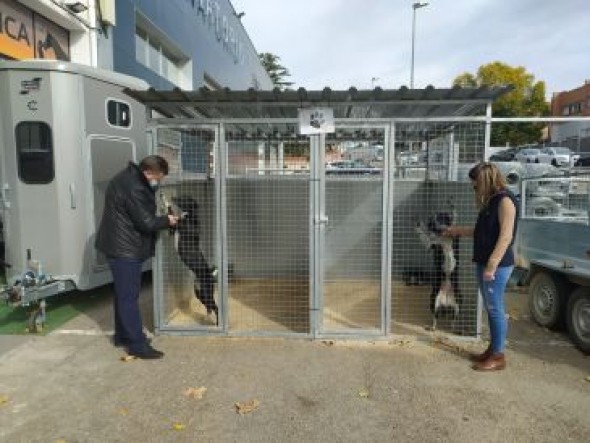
<point>352,256</point>
<point>189,296</point>
<point>268,201</point>
<point>554,223</point>
<point>433,277</point>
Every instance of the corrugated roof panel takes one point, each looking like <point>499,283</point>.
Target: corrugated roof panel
<point>351,103</point>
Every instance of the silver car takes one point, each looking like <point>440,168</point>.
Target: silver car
<point>557,156</point>
<point>528,155</point>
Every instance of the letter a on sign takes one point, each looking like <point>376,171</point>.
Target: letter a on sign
<point>316,121</point>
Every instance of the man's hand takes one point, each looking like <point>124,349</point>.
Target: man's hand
<point>172,220</point>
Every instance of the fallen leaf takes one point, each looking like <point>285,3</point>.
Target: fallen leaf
<point>127,358</point>
<point>178,426</point>
<point>196,393</point>
<point>247,407</point>
<point>61,440</point>
<point>124,411</point>
<point>4,399</point>
<point>363,393</point>
<point>403,343</point>
<point>328,342</point>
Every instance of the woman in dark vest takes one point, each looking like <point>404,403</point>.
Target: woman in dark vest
<point>493,236</point>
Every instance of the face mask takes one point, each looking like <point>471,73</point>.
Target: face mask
<point>154,183</point>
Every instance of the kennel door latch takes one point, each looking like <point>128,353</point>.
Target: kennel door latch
<point>321,220</point>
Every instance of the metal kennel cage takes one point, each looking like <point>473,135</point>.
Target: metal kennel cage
<point>315,235</point>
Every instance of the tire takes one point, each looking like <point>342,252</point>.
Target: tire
<point>578,318</point>
<point>554,163</point>
<point>547,297</point>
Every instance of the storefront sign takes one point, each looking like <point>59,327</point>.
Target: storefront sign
<point>16,30</point>
<point>25,34</point>
<point>210,12</point>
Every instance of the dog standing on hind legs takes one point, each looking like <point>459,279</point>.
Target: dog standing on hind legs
<point>445,294</point>
<point>187,245</point>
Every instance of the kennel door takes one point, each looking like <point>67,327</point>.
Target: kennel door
<point>189,272</point>
<point>353,209</point>
<point>267,191</point>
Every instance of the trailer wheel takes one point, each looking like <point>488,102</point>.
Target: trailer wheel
<point>578,318</point>
<point>547,294</point>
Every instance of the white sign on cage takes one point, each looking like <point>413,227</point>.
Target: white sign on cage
<point>316,121</point>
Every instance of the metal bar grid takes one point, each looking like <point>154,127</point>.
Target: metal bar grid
<point>353,207</point>
<point>430,185</point>
<point>188,257</point>
<point>289,241</point>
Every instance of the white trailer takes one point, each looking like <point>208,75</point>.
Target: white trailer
<point>65,130</point>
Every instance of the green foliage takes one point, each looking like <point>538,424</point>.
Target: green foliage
<point>527,99</point>
<point>277,72</point>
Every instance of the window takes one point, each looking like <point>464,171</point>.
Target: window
<point>161,58</point>
<point>34,152</point>
<point>141,47</point>
<point>118,114</point>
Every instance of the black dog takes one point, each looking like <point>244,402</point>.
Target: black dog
<point>187,246</point>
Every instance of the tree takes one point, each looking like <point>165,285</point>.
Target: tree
<point>277,72</point>
<point>527,99</point>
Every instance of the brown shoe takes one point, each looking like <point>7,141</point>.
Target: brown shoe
<point>495,362</point>
<point>478,358</point>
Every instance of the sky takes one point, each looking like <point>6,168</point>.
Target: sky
<point>367,43</point>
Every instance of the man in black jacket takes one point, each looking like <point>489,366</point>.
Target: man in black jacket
<point>127,235</point>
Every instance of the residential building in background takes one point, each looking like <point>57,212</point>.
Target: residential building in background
<point>574,103</point>
<point>174,43</point>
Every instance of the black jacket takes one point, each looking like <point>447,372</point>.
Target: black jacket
<point>129,221</point>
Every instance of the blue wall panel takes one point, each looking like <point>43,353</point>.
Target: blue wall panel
<point>195,33</point>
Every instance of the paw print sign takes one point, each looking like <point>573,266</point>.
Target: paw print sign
<point>316,121</point>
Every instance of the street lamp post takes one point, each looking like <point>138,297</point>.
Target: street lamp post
<point>416,5</point>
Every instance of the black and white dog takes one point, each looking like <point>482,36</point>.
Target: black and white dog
<point>187,245</point>
<point>445,294</point>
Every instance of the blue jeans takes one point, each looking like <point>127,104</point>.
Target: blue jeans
<point>493,300</point>
<point>127,281</point>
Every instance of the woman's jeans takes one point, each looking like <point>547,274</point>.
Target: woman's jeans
<point>493,299</point>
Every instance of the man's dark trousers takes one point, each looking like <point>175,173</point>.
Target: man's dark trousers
<point>127,282</point>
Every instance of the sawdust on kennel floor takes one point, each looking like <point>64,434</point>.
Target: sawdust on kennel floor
<point>282,306</point>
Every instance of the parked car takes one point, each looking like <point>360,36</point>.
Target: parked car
<point>351,167</point>
<point>557,156</point>
<point>507,155</point>
<point>582,161</point>
<point>528,155</point>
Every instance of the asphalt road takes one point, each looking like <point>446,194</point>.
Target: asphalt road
<point>74,387</point>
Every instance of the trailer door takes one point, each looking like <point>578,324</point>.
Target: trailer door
<point>108,156</point>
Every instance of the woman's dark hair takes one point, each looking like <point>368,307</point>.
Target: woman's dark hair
<point>154,163</point>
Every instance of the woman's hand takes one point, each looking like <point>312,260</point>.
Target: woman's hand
<point>452,231</point>
<point>489,272</point>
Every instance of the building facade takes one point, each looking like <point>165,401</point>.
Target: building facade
<point>574,103</point>
<point>173,43</point>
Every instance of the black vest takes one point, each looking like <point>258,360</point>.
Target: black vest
<point>487,231</point>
